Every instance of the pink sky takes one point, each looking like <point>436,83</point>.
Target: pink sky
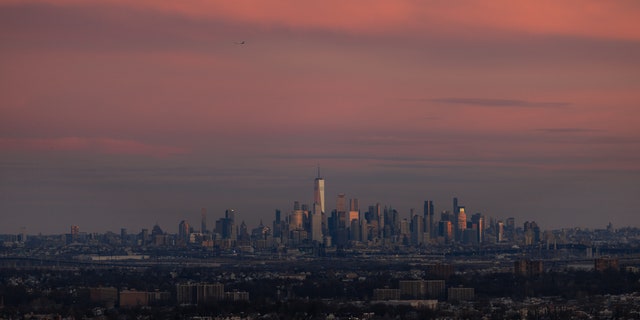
<point>431,99</point>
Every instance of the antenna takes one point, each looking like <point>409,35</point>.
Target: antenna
<point>318,170</point>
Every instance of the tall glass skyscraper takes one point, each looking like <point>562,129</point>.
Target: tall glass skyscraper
<point>429,213</point>
<point>318,192</point>
<point>318,203</point>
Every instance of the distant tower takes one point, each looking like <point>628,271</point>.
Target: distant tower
<point>354,204</point>
<point>341,203</point>
<point>318,192</point>
<point>341,211</point>
<point>183,231</point>
<point>123,236</point>
<point>417,228</point>
<point>455,205</point>
<point>75,230</point>
<point>277,225</point>
<point>354,209</point>
<point>478,220</point>
<point>22,237</point>
<point>500,231</point>
<point>203,221</point>
<point>379,215</point>
<point>318,216</point>
<point>226,226</point>
<point>316,224</point>
<point>461,223</point>
<point>230,214</point>
<point>446,230</point>
<point>510,229</point>
<point>296,220</point>
<point>429,213</point>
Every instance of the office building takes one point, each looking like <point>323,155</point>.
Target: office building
<point>354,204</point>
<point>606,263</point>
<point>236,296</point>
<point>203,221</point>
<point>318,192</point>
<point>417,229</point>
<point>386,294</point>
<point>277,225</point>
<point>197,293</point>
<point>429,214</point>
<point>183,232</point>
<point>226,226</point>
<point>461,223</point>
<point>531,233</point>
<point>296,220</point>
<point>434,289</point>
<point>446,230</point>
<point>412,289</point>
<point>500,231</point>
<point>318,198</point>
<point>528,268</point>
<point>75,232</point>
<point>316,223</point>
<point>133,298</point>
<point>478,220</point>
<point>461,294</point>
<point>341,203</point>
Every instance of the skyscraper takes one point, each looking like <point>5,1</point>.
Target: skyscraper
<point>379,215</point>
<point>429,212</point>
<point>318,192</point>
<point>226,226</point>
<point>230,214</point>
<point>341,203</point>
<point>478,220</point>
<point>296,220</point>
<point>203,221</point>
<point>500,231</point>
<point>461,223</point>
<point>455,205</point>
<point>354,209</point>
<point>318,202</point>
<point>277,225</point>
<point>417,229</point>
<point>75,230</point>
<point>316,223</point>
<point>354,204</point>
<point>183,231</point>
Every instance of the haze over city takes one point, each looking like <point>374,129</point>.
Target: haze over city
<point>118,114</point>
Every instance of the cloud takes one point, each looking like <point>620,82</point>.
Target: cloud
<point>95,145</point>
<point>566,130</point>
<point>616,19</point>
<point>501,103</point>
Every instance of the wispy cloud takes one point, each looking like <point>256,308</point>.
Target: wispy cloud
<point>567,130</point>
<point>94,145</point>
<point>618,18</point>
<point>483,102</point>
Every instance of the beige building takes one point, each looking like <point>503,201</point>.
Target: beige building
<point>132,298</point>
<point>386,294</point>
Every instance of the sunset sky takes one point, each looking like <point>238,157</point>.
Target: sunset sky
<point>129,113</point>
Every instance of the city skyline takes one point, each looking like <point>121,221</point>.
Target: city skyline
<point>117,114</point>
<point>431,214</point>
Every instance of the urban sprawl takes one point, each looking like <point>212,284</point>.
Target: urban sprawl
<point>314,264</point>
